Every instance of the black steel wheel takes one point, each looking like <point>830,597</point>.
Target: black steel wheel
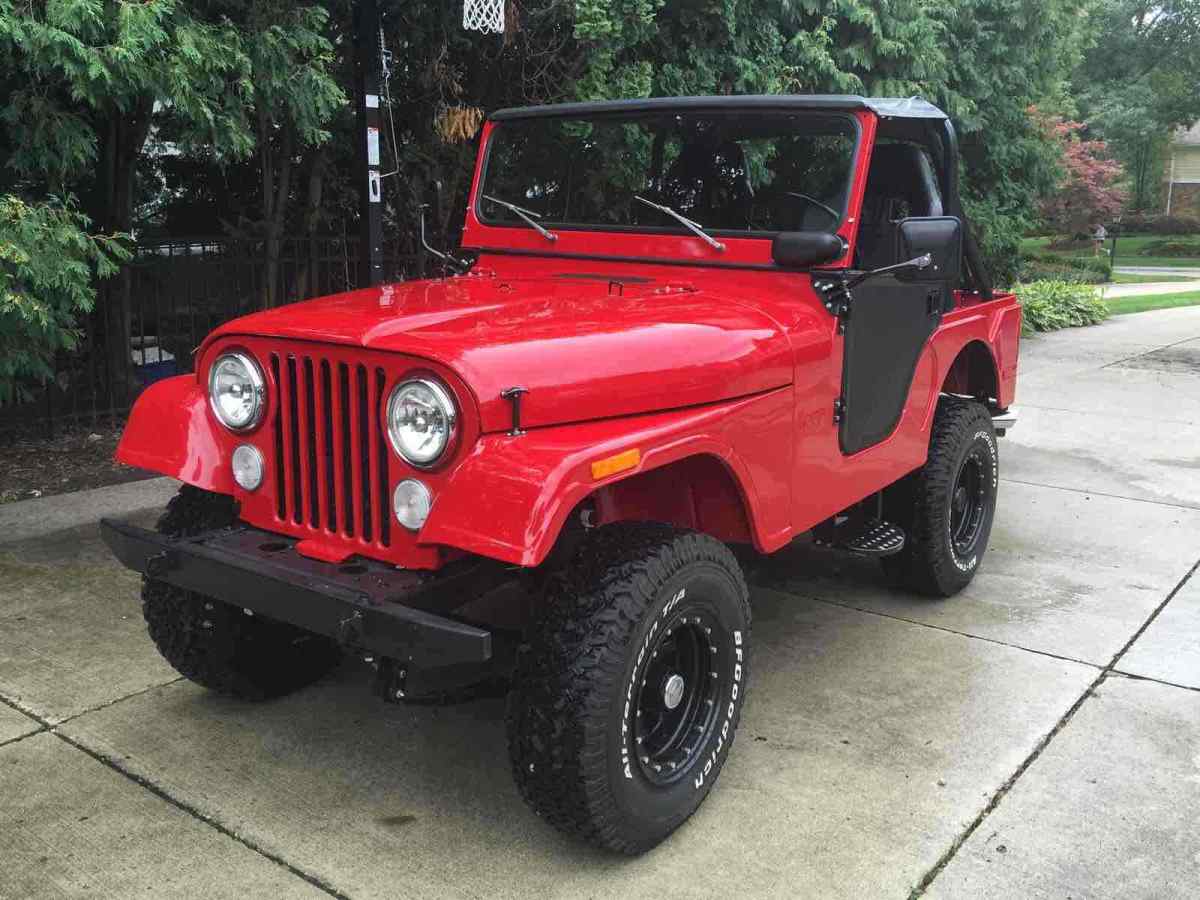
<point>677,703</point>
<point>969,501</point>
<point>629,690</point>
<point>946,507</point>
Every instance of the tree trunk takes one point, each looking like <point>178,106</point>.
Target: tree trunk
<point>276,183</point>
<point>123,142</point>
<point>307,277</point>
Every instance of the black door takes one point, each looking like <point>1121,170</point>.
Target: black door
<point>888,325</point>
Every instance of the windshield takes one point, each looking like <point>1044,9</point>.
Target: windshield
<point>752,172</point>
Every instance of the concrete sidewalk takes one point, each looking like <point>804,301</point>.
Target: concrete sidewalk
<point>1037,736</point>
<point>1140,290</point>
<point>1161,287</point>
<point>1189,272</point>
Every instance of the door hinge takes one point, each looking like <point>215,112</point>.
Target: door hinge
<point>839,410</point>
<point>835,295</point>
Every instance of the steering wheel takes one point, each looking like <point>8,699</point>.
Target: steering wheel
<point>833,213</point>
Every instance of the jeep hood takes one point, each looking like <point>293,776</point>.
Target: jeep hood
<point>584,348</point>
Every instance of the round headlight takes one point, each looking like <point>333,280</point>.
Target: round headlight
<point>421,419</point>
<point>411,502</point>
<point>237,391</point>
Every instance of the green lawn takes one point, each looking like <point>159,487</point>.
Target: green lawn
<point>1119,306</point>
<point>1127,250</point>
<point>1118,278</point>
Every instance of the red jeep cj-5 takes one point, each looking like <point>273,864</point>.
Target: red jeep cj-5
<point>689,323</point>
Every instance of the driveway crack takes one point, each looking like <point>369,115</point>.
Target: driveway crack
<point>197,814</point>
<point>1041,745</point>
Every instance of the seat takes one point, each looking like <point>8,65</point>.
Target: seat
<point>711,183</point>
<point>900,184</point>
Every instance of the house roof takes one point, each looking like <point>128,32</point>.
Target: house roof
<point>890,107</point>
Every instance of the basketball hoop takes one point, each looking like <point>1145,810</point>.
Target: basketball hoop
<point>484,15</point>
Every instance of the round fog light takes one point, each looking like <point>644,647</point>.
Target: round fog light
<point>247,467</point>
<point>411,503</point>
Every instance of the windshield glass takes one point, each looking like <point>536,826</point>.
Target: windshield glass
<point>727,172</point>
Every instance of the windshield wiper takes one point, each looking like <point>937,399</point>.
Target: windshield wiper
<point>527,216</point>
<point>683,220</point>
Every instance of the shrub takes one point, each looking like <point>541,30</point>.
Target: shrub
<point>1165,225</point>
<point>999,236</point>
<point>1043,266</point>
<point>1073,242</point>
<point>1039,271</point>
<point>47,260</point>
<point>1050,305</point>
<point>1170,248</point>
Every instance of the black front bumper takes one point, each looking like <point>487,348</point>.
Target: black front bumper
<point>364,605</point>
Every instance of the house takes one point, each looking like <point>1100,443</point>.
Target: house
<point>1183,173</point>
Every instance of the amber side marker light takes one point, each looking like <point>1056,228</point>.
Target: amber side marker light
<point>611,465</point>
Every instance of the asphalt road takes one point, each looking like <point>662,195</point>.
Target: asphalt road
<point>1037,736</point>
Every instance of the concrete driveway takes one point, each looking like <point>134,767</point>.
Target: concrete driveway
<point>1038,736</point>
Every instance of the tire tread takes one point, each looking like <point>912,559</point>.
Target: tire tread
<point>575,660</point>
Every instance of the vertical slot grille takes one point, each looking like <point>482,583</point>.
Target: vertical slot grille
<point>331,456</point>
<point>381,467</point>
<point>296,476</point>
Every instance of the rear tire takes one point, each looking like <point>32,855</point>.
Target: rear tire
<point>946,507</point>
<point>628,693</point>
<point>217,645</point>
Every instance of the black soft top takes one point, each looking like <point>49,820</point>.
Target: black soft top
<point>890,107</point>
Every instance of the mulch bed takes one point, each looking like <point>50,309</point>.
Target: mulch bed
<point>76,458</point>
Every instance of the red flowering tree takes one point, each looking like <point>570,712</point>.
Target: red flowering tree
<point>1087,193</point>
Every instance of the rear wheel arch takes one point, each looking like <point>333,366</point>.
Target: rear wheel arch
<point>973,373</point>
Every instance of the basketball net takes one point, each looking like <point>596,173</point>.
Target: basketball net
<point>484,15</point>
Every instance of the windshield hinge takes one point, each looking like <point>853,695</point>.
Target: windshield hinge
<point>839,410</point>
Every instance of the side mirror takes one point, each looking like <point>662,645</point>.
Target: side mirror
<point>801,249</point>
<point>939,236</point>
<point>435,197</point>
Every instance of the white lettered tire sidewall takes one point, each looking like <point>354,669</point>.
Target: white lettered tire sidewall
<point>701,589</point>
<point>986,438</point>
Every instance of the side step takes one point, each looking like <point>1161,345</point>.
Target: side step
<point>869,537</point>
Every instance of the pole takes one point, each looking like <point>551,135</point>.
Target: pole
<point>1170,177</point>
<point>366,76</point>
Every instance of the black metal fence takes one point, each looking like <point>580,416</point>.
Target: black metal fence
<point>179,290</point>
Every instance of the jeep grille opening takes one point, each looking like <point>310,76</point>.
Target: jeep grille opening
<point>331,456</point>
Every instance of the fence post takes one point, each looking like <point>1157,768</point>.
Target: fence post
<point>366,87</point>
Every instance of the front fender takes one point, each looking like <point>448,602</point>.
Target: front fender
<point>511,496</point>
<point>170,431</point>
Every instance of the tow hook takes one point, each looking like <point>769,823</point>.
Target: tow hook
<point>350,630</point>
<point>160,564</point>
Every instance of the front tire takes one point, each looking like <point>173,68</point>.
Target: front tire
<point>628,693</point>
<point>946,507</point>
<point>217,645</point>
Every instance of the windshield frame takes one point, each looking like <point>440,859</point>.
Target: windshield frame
<point>671,230</point>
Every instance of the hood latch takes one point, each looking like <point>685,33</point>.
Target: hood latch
<point>513,396</point>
